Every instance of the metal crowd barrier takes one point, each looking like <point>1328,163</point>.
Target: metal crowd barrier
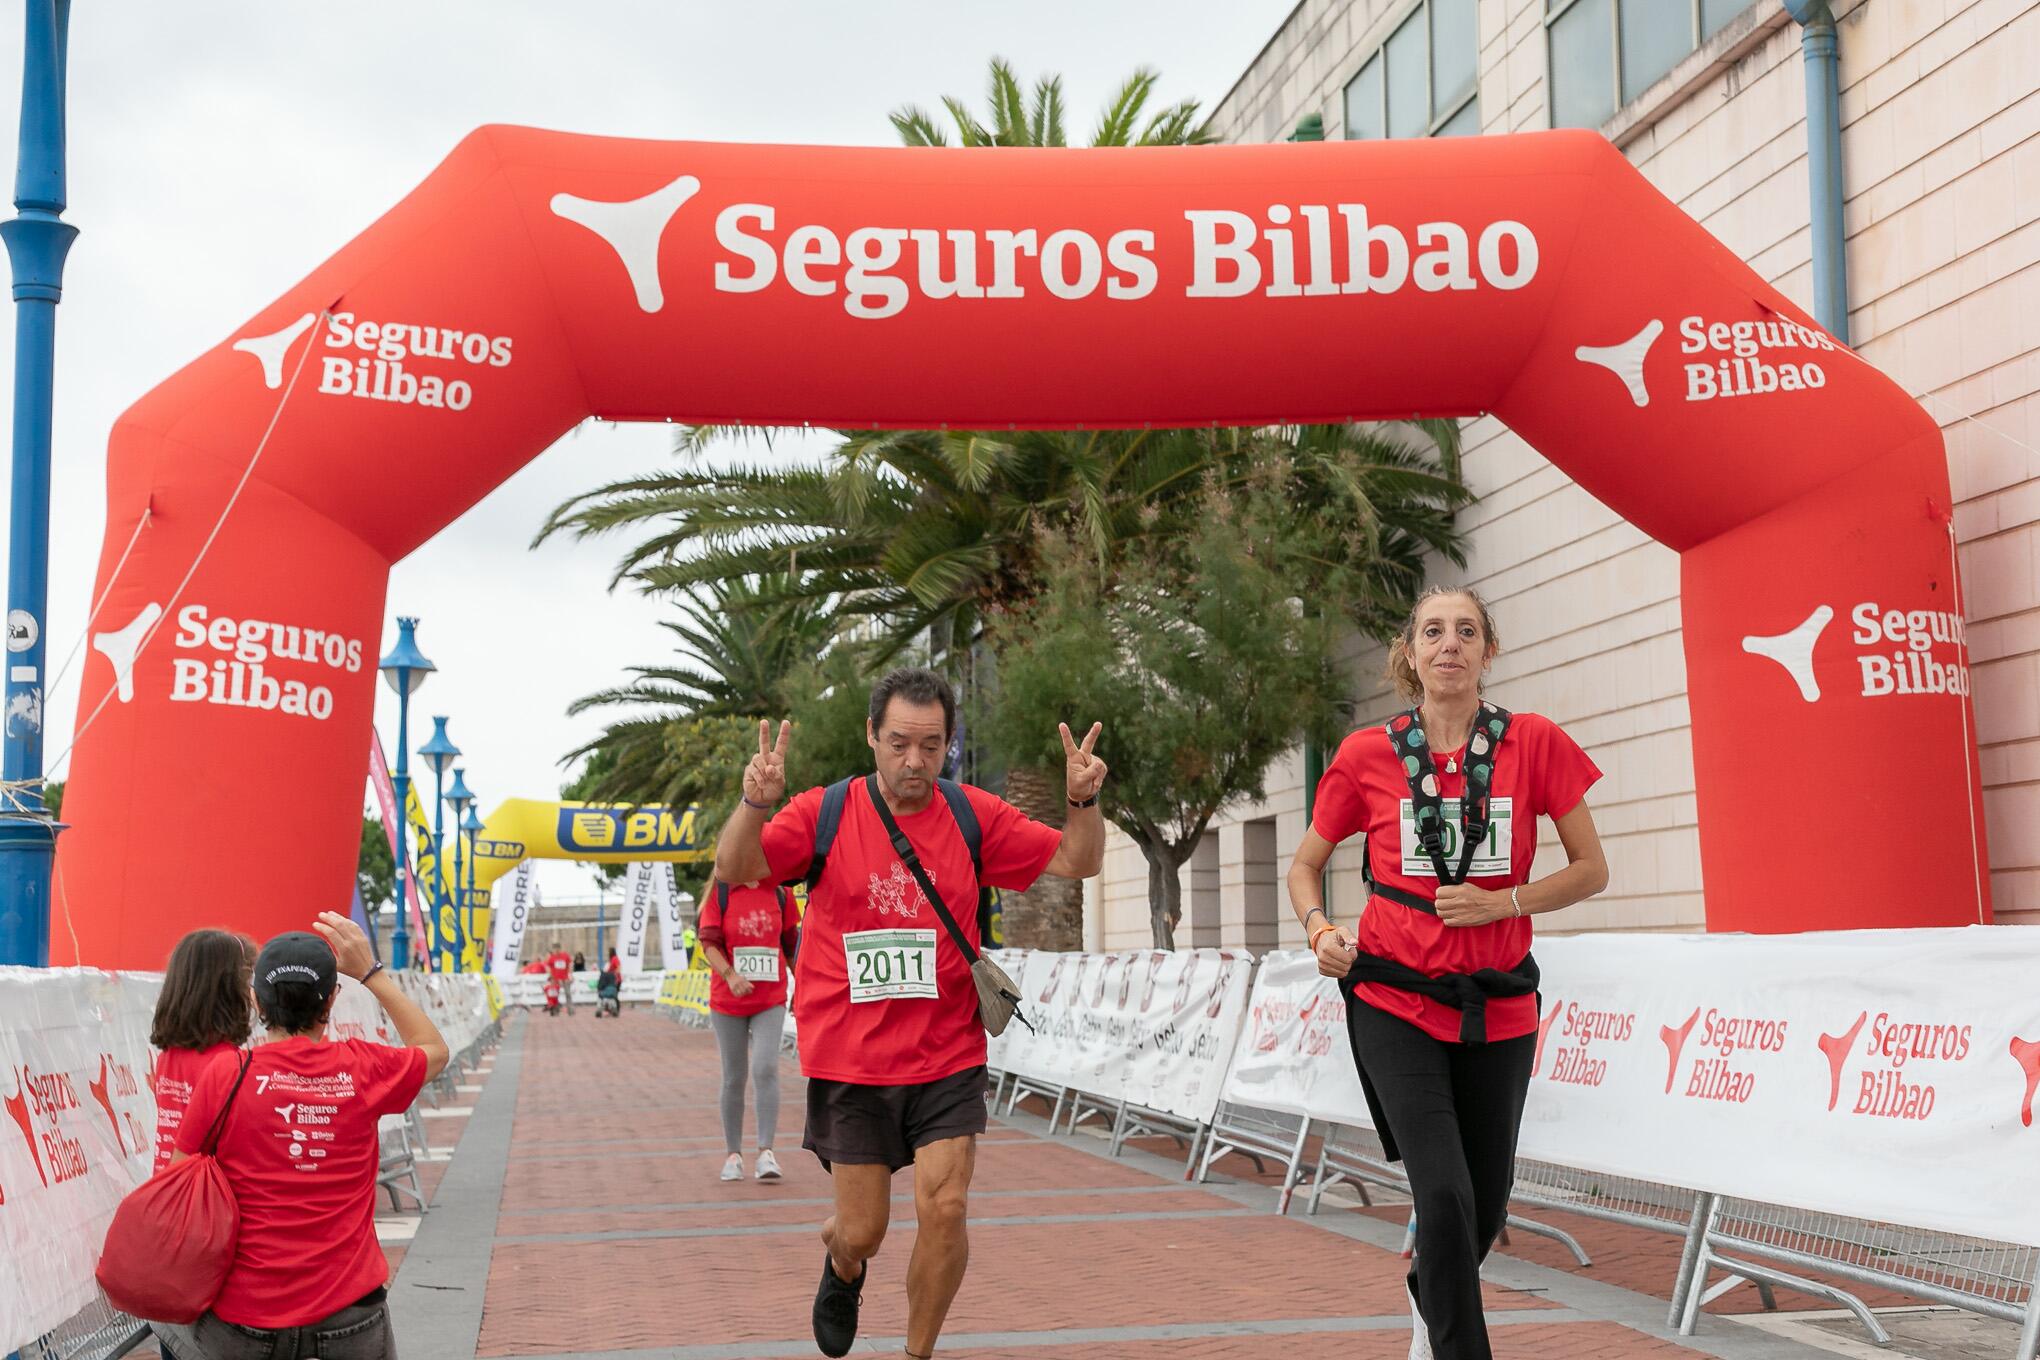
<point>1767,1246</point>
<point>1768,1243</point>
<point>99,1332</point>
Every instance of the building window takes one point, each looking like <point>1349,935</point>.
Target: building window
<point>1605,53</point>
<point>1422,82</point>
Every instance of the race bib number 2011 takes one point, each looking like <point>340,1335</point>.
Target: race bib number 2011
<point>759,965</point>
<point>885,964</point>
<point>1491,856</point>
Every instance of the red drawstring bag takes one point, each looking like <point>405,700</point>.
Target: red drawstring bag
<point>171,1242</point>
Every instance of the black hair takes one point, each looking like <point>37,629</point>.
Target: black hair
<point>296,1007</point>
<point>205,1000</point>
<point>916,685</point>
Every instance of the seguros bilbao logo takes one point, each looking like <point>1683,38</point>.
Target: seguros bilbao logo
<point>1279,251</point>
<point>1902,648</point>
<point>1722,359</point>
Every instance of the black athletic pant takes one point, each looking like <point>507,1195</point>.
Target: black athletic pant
<point>1454,1110</point>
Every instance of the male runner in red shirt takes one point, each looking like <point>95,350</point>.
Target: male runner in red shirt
<point>890,1038</point>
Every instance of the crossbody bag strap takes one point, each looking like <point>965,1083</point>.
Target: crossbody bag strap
<point>219,1124</point>
<point>904,848</point>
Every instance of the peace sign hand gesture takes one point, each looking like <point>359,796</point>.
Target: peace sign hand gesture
<point>1083,772</point>
<point>765,776</point>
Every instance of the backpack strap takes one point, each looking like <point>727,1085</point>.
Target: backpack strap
<point>826,824</point>
<point>722,897</point>
<point>966,821</point>
<point>974,837</point>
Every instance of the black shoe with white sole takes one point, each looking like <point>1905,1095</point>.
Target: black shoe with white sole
<point>836,1305</point>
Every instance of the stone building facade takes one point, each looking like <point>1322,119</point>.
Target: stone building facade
<point>1940,113</point>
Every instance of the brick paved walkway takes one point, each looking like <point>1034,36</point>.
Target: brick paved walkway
<point>581,1216</point>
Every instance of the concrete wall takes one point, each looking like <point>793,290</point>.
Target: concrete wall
<point>1941,151</point>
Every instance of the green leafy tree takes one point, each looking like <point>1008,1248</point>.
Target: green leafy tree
<point>53,798</point>
<point>375,870</point>
<point>1199,659</point>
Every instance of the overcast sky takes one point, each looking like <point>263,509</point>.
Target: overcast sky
<point>218,152</point>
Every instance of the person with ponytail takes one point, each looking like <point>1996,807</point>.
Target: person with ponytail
<point>206,1008</point>
<point>1440,985</point>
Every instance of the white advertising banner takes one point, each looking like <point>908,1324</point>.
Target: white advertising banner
<point>1882,1074</point>
<point>647,887</point>
<point>1294,1055</point>
<point>77,1086</point>
<point>1153,1027</point>
<point>513,899</point>
<point>673,952</point>
<point>79,1132</point>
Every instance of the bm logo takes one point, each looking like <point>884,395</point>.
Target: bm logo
<point>612,829</point>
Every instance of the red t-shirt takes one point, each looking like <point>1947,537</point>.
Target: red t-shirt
<point>176,1070</point>
<point>560,965</point>
<point>300,1152</point>
<point>1539,771</point>
<point>917,1018</point>
<point>753,937</point>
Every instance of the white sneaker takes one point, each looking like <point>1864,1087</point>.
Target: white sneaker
<point>733,1169</point>
<point>1420,1336</point>
<point>768,1165</point>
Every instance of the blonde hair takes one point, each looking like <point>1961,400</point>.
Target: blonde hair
<point>1402,672</point>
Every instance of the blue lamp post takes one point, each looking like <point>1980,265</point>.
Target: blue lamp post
<point>405,668</point>
<point>439,753</point>
<point>37,242</point>
<point>472,825</point>
<point>460,800</point>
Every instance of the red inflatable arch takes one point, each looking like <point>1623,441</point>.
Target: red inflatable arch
<point>537,278</point>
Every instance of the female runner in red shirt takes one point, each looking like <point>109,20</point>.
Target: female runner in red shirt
<point>1437,974</point>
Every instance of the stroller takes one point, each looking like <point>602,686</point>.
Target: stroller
<point>608,994</point>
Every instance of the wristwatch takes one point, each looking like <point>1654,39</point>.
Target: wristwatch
<point>1092,801</point>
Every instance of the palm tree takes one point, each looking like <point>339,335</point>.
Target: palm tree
<point>741,638</point>
<point>1016,121</point>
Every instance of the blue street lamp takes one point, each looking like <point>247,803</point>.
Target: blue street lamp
<point>460,800</point>
<point>439,753</point>
<point>37,242</point>
<point>471,824</point>
<point>405,668</point>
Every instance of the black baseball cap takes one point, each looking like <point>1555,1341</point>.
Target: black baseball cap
<point>296,956</point>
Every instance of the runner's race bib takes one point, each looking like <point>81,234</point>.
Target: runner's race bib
<point>885,964</point>
<point>1491,856</point>
<point>757,964</point>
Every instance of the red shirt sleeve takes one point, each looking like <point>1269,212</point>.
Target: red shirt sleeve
<point>1564,772</point>
<point>1341,808</point>
<point>392,1077</point>
<point>789,838</point>
<point>708,931</point>
<point>207,1092</point>
<point>1016,847</point>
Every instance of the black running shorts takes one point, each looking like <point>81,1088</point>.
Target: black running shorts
<point>883,1125</point>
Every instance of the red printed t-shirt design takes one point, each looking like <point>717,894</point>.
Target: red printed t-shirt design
<point>902,1040</point>
<point>300,1152</point>
<point>753,923</point>
<point>176,1070</point>
<point>560,966</point>
<point>1540,771</point>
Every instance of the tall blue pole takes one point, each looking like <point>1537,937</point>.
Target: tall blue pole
<point>37,243</point>
<point>400,942</point>
<point>439,854</point>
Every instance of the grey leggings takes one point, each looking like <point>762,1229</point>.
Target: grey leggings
<point>753,1041</point>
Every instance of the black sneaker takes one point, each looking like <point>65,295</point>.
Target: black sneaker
<point>836,1306</point>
